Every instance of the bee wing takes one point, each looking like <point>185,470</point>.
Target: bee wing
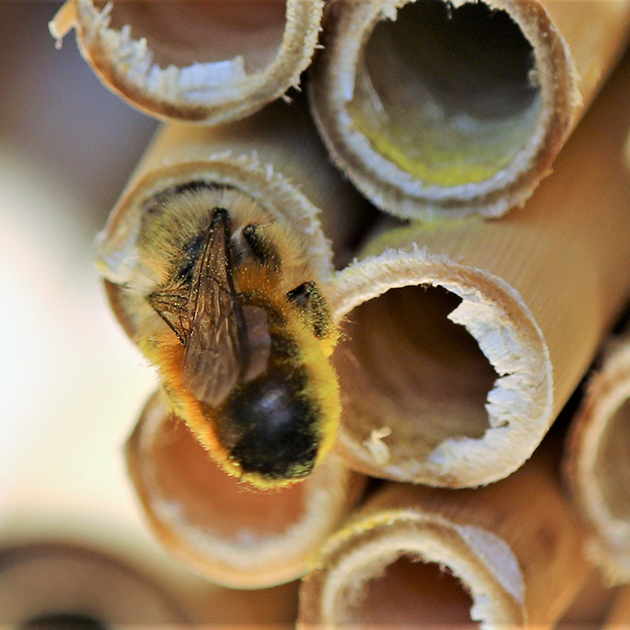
<point>216,351</point>
<point>171,305</point>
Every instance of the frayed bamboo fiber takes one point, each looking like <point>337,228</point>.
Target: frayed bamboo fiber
<point>597,462</point>
<point>219,527</point>
<point>463,341</point>
<point>437,109</point>
<point>504,556</point>
<point>199,61</point>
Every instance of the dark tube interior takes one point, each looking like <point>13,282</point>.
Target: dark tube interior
<point>449,95</point>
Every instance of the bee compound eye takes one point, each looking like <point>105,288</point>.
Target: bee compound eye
<point>58,586</point>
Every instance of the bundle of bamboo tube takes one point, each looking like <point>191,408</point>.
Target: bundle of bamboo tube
<point>458,338</point>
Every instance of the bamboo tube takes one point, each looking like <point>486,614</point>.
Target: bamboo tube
<point>507,555</point>
<point>199,61</point>
<point>218,527</point>
<point>64,586</point>
<point>597,463</point>
<point>275,157</point>
<point>437,109</point>
<point>462,342</point>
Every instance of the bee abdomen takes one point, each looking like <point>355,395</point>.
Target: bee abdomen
<point>272,426</point>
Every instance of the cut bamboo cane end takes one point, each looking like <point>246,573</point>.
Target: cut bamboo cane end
<point>422,114</point>
<point>446,379</point>
<point>402,562</point>
<point>221,528</point>
<point>118,251</point>
<point>598,464</point>
<point>214,63</point>
<point>505,556</point>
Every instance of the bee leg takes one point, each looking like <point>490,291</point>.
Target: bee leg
<point>252,242</point>
<point>261,246</point>
<point>313,308</point>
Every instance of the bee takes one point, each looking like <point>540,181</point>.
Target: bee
<point>227,310</point>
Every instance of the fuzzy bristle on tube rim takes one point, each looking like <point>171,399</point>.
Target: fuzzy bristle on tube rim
<point>197,61</point>
<point>454,389</point>
<point>443,109</point>
<point>597,462</point>
<point>222,529</point>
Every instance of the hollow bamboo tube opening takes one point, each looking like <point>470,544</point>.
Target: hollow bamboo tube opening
<point>419,371</point>
<point>449,95</point>
<point>204,31</point>
<point>220,527</point>
<point>597,463</point>
<point>432,355</point>
<point>438,109</point>
<point>198,60</point>
<point>503,556</point>
<point>412,593</point>
<point>612,465</point>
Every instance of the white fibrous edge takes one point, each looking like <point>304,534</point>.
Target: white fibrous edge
<point>222,85</point>
<point>117,251</point>
<point>399,192</point>
<point>249,560</point>
<point>481,560</point>
<point>520,404</point>
<point>608,545</point>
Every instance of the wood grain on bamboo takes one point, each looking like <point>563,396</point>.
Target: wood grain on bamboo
<point>201,61</point>
<point>213,524</point>
<point>465,339</point>
<point>513,549</point>
<point>598,463</point>
<point>445,109</point>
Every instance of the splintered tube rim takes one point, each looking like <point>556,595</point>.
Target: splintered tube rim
<point>494,314</point>
<point>395,533</point>
<point>608,392</point>
<point>125,66</point>
<point>396,190</point>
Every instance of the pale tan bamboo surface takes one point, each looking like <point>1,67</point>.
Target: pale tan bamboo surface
<point>195,60</point>
<point>221,528</point>
<point>504,556</point>
<point>619,617</point>
<point>443,110</point>
<point>597,462</point>
<point>591,606</point>
<point>463,341</point>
